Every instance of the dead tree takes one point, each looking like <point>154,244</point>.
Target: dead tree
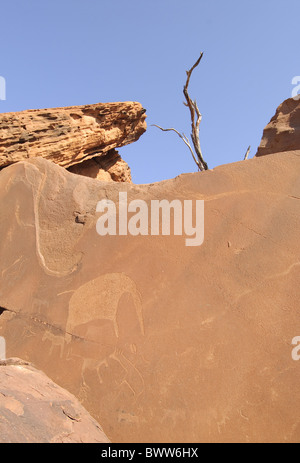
<point>196,118</point>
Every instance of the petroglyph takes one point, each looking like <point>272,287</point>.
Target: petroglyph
<point>127,375</point>
<point>93,365</point>
<point>61,259</point>
<point>15,270</point>
<point>133,377</point>
<point>99,300</point>
<point>56,341</point>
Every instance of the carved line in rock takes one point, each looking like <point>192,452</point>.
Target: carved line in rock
<point>36,195</point>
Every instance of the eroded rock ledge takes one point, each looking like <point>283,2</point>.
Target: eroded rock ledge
<point>73,135</point>
<point>108,167</point>
<point>283,131</point>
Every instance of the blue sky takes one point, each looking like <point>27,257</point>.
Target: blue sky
<point>73,52</point>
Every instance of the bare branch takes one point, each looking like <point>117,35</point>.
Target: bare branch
<point>189,73</point>
<point>247,153</point>
<point>184,138</point>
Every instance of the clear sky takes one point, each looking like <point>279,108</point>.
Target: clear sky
<point>74,52</point>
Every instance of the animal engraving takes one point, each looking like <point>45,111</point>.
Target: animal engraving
<point>56,341</point>
<point>99,300</point>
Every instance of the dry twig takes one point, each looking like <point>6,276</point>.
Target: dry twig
<point>182,136</point>
<point>247,153</point>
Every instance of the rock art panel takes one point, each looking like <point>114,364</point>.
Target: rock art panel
<point>160,342</point>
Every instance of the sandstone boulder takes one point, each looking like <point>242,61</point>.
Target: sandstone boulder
<point>33,409</point>
<point>283,131</point>
<point>159,341</point>
<point>72,135</point>
<point>109,167</point>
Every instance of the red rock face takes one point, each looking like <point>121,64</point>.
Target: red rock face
<point>33,409</point>
<point>283,131</point>
<point>160,342</point>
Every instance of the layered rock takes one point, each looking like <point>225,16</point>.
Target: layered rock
<point>159,341</point>
<point>72,135</point>
<point>33,409</point>
<point>109,167</point>
<point>283,131</point>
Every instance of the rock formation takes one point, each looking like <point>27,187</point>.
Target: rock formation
<point>283,131</point>
<point>160,342</point>
<point>33,409</point>
<point>109,167</point>
<point>73,135</point>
